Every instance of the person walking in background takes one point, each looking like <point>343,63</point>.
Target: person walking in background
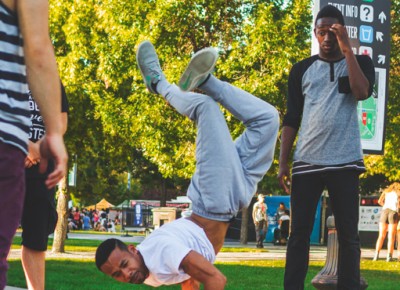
<point>260,219</point>
<point>225,180</point>
<point>39,216</point>
<point>323,93</point>
<point>390,201</point>
<point>86,225</point>
<point>78,219</point>
<point>26,57</point>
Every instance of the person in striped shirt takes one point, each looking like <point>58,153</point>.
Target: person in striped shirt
<point>26,56</point>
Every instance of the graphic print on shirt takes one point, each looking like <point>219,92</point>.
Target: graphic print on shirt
<point>37,129</point>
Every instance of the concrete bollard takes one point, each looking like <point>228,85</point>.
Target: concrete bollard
<point>327,278</point>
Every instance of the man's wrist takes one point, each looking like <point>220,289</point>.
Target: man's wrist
<point>283,161</point>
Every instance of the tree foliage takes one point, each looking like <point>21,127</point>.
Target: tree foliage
<point>388,164</point>
<point>116,126</point>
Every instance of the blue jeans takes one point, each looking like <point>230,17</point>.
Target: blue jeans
<point>227,171</point>
<point>343,194</point>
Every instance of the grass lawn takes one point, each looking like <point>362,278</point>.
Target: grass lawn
<point>63,274</point>
<point>71,245</point>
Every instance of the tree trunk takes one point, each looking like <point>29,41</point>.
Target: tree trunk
<point>244,226</point>
<point>60,232</point>
<point>163,201</point>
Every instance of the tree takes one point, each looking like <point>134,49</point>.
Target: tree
<point>115,122</point>
<point>244,229</point>
<point>116,126</point>
<point>276,36</point>
<point>60,232</point>
<point>388,164</point>
<point>99,41</point>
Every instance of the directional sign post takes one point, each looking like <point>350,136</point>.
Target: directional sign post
<point>368,27</point>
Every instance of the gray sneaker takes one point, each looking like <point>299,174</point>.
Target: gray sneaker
<point>198,69</point>
<point>149,65</point>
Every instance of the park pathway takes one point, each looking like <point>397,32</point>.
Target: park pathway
<point>270,251</point>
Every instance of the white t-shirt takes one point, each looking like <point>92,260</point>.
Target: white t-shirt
<point>285,217</point>
<point>165,248</point>
<point>261,211</point>
<point>391,201</point>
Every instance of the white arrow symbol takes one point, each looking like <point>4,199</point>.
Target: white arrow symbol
<point>381,59</point>
<point>379,36</point>
<point>382,17</point>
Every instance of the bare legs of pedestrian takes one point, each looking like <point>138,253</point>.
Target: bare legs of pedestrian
<point>33,263</point>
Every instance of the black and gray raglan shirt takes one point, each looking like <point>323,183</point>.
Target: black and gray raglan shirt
<point>321,104</point>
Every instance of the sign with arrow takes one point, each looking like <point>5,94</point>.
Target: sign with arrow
<point>368,27</point>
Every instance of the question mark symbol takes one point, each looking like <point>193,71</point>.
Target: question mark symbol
<point>367,12</point>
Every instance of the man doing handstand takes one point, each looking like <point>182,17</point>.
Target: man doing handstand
<point>225,180</point>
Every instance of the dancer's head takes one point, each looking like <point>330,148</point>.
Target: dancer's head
<point>121,262</point>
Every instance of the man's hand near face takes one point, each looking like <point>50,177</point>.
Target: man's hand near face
<point>342,37</point>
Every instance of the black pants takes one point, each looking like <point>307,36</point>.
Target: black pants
<point>306,192</point>
<point>39,217</point>
<point>281,234</point>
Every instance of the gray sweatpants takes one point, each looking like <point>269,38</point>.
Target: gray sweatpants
<point>227,171</point>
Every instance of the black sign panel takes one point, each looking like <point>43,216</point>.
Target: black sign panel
<point>368,27</point>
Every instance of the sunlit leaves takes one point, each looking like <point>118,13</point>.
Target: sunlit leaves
<point>258,42</point>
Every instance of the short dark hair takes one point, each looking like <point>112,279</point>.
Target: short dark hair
<point>105,249</point>
<point>330,11</point>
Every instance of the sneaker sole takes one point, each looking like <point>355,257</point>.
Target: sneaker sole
<point>148,46</point>
<point>201,64</point>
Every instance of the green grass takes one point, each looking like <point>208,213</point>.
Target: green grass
<point>71,245</point>
<point>63,274</point>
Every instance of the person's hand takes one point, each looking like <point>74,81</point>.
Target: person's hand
<point>29,162</point>
<point>33,157</point>
<point>52,147</point>
<point>284,177</point>
<point>342,37</point>
<point>190,284</point>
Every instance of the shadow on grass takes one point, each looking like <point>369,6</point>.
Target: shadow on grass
<point>246,275</point>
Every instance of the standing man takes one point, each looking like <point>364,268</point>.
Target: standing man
<point>25,50</point>
<point>39,216</point>
<point>260,220</point>
<point>322,101</point>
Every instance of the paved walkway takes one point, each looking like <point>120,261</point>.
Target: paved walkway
<point>270,252</point>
